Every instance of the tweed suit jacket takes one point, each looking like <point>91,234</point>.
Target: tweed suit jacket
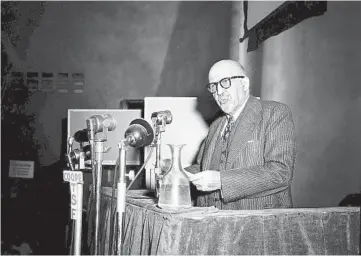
<point>261,158</point>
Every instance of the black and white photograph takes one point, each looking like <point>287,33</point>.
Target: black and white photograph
<point>180,127</point>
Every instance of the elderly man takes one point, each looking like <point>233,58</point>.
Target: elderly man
<point>248,156</point>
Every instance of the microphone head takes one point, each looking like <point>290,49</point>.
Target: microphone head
<point>75,154</point>
<point>109,122</point>
<point>140,133</point>
<point>165,115</point>
<point>81,136</point>
<point>102,121</point>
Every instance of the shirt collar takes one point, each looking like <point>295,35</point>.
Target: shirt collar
<point>238,111</point>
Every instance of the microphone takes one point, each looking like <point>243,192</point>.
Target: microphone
<point>139,134</point>
<point>75,154</point>
<point>97,123</point>
<point>165,115</point>
<point>81,136</point>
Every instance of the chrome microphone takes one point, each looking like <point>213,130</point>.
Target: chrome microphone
<point>161,116</point>
<point>97,123</point>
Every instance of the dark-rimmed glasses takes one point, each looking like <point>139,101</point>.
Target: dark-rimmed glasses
<point>224,82</point>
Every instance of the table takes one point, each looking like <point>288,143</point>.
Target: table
<point>149,230</point>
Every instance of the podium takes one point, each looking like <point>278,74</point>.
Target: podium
<point>150,230</point>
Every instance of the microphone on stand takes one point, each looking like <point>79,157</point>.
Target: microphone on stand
<point>160,119</point>
<point>139,134</point>
<point>99,122</point>
<point>75,154</point>
<point>81,136</point>
<point>159,116</point>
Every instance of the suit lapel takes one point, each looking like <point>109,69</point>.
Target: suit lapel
<point>245,124</point>
<point>209,149</point>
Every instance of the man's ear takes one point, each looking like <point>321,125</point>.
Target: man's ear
<point>245,82</point>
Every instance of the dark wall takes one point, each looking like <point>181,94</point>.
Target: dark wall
<point>200,37</point>
<point>314,68</point>
<point>127,50</point>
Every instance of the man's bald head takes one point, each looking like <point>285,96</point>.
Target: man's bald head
<point>232,72</point>
<point>227,67</point>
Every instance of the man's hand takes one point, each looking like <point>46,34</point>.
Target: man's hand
<point>190,175</point>
<point>207,180</point>
<point>165,164</point>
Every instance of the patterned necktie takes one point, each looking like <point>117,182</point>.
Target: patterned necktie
<point>227,130</point>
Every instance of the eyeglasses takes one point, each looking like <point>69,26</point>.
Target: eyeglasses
<point>225,83</point>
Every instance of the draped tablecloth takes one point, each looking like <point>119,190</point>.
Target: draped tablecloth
<point>149,230</point>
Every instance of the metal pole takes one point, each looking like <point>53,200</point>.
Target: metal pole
<point>79,219</point>
<point>157,160</point>
<point>91,133</point>
<point>121,194</point>
<point>98,150</point>
<point>157,168</point>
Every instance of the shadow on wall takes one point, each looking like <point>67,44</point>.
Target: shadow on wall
<point>201,36</point>
<point>254,69</point>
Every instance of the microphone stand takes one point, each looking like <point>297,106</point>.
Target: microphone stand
<point>139,134</point>
<point>157,168</point>
<point>121,192</point>
<point>91,134</point>
<point>75,179</point>
<point>159,128</point>
<point>79,218</point>
<point>97,150</point>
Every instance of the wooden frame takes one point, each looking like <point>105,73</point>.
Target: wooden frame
<point>282,18</point>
